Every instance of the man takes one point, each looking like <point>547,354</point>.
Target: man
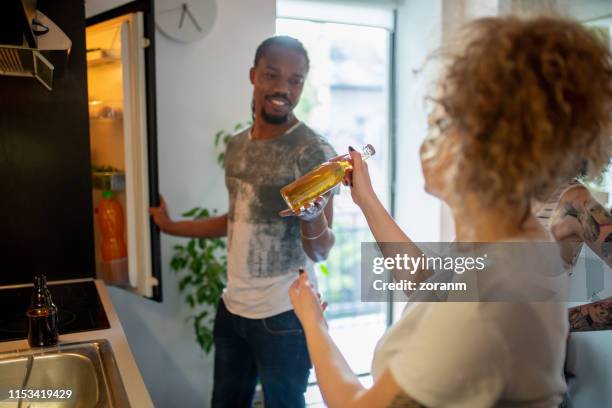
<point>256,333</point>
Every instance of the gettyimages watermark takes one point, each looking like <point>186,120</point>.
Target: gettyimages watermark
<point>479,272</point>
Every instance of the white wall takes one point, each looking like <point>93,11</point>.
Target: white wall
<point>201,87</point>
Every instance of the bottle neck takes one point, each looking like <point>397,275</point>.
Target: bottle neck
<point>367,151</point>
<point>41,297</point>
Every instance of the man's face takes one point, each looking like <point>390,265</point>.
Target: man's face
<point>277,81</point>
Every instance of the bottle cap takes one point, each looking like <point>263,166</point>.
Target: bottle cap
<point>39,280</point>
<point>107,194</point>
<point>369,150</point>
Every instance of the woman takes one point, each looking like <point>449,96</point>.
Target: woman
<point>522,108</point>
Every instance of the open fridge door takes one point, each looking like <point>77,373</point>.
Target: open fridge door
<point>136,154</point>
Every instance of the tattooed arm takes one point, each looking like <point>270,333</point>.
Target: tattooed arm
<point>592,316</point>
<point>579,218</point>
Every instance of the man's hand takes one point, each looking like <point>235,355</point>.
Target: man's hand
<point>160,215</point>
<point>310,211</point>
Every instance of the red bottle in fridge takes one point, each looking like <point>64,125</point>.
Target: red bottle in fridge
<point>112,226</point>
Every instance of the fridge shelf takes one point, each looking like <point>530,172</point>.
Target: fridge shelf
<point>103,120</point>
<point>108,180</point>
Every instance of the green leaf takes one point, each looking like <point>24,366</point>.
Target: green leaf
<point>191,248</point>
<point>191,212</point>
<point>323,268</point>
<point>190,300</point>
<point>197,280</point>
<point>201,316</point>
<point>221,158</point>
<point>201,294</point>
<point>175,264</point>
<point>196,265</point>
<point>178,247</point>
<point>226,139</point>
<point>238,126</point>
<point>184,282</point>
<point>218,136</point>
<point>201,243</point>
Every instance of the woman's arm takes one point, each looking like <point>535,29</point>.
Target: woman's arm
<point>383,226</point>
<point>338,384</point>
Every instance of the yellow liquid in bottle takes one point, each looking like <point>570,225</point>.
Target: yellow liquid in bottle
<point>314,183</point>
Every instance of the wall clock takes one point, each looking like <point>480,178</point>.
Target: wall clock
<point>185,20</point>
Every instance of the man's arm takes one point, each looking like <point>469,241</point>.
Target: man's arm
<point>211,227</point>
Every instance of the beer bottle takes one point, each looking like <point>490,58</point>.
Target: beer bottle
<point>320,180</point>
<point>42,316</point>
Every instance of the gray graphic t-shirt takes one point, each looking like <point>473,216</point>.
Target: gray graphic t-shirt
<point>265,250</point>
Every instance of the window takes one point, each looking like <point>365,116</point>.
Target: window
<point>346,98</point>
<point>602,27</point>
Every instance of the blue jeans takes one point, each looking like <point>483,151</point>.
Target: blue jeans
<point>272,350</point>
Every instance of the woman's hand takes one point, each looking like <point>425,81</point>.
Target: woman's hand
<point>160,215</point>
<point>359,180</point>
<point>306,303</point>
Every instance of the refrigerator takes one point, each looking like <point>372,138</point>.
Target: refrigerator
<point>123,154</point>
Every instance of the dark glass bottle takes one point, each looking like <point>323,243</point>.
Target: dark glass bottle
<point>42,315</point>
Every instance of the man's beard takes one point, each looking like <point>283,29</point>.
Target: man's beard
<point>274,120</point>
<point>271,119</point>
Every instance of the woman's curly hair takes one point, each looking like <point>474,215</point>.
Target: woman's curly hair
<point>530,101</point>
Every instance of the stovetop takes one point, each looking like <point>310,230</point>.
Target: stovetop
<point>79,309</point>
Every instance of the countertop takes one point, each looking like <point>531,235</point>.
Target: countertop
<point>130,375</point>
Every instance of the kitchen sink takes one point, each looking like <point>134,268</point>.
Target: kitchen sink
<point>86,370</point>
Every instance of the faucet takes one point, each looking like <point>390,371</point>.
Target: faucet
<point>42,315</point>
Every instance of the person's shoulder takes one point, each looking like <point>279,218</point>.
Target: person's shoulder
<point>309,136</point>
<point>239,137</point>
<point>310,142</point>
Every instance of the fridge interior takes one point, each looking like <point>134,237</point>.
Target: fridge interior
<point>117,134</point>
